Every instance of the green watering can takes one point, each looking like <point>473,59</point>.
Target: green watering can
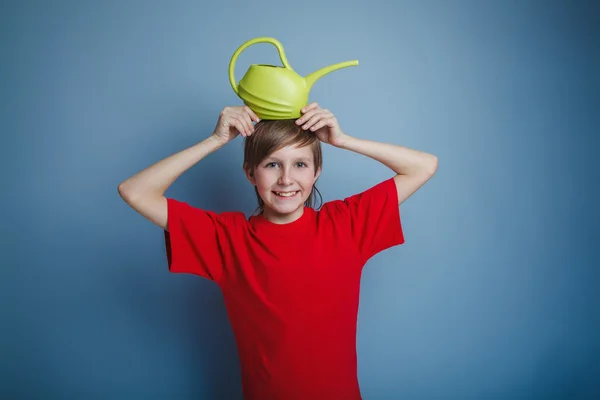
<point>274,92</point>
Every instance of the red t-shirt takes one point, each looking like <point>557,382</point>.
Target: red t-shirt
<point>291,290</point>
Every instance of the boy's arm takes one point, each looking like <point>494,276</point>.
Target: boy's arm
<point>413,168</point>
<point>144,191</point>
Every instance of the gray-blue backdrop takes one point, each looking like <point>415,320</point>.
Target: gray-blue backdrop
<point>494,294</point>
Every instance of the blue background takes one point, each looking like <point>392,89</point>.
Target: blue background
<point>493,296</point>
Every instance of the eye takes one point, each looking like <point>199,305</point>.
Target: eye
<point>301,164</point>
<point>268,165</point>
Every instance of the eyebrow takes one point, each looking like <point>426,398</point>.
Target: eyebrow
<point>305,159</point>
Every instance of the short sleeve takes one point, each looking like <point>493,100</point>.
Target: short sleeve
<point>193,240</point>
<point>374,218</point>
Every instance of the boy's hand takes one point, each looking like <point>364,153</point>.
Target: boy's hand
<point>233,121</point>
<point>323,123</point>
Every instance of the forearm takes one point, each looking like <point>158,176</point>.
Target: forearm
<point>156,179</point>
<point>402,160</point>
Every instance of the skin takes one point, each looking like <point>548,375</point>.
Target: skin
<point>290,169</point>
<point>145,190</point>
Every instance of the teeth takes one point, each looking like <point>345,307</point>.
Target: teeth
<point>285,194</point>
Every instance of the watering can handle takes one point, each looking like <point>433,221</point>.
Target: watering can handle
<point>250,42</point>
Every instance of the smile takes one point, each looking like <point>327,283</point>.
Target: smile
<point>286,194</point>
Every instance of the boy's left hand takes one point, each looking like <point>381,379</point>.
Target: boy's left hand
<point>323,123</point>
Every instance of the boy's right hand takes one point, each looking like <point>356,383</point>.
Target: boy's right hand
<point>233,121</point>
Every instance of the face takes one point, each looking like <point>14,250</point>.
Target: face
<point>284,181</point>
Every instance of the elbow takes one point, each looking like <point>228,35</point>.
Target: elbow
<point>123,191</point>
<point>133,195</point>
<point>432,165</point>
<point>428,166</point>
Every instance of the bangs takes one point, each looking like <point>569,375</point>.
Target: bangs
<point>270,136</point>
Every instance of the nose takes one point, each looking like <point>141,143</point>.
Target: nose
<point>285,178</point>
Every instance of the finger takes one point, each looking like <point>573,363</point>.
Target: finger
<point>306,116</point>
<point>311,106</point>
<point>316,117</point>
<point>248,122</point>
<point>252,114</point>
<point>239,126</point>
<point>325,121</point>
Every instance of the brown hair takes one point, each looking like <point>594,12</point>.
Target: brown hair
<point>272,135</point>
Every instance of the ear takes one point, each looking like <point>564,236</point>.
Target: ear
<point>249,174</point>
<point>317,174</point>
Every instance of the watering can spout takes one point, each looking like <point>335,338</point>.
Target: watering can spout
<point>313,77</point>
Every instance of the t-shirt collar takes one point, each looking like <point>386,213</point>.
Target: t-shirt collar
<point>261,223</point>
